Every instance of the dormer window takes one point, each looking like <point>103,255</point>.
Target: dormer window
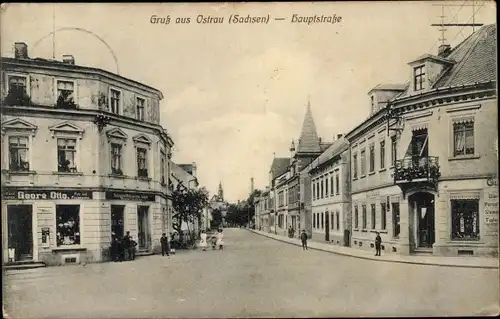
<point>419,77</point>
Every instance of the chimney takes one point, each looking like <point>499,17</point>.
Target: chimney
<point>21,50</point>
<point>339,136</point>
<point>68,59</point>
<point>443,50</point>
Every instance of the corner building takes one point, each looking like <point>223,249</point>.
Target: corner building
<point>424,169</point>
<point>83,156</point>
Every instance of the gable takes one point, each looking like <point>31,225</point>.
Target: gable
<point>142,138</point>
<point>117,133</point>
<point>18,124</point>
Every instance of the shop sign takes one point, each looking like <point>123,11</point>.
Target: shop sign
<point>491,208</point>
<point>130,196</point>
<point>46,194</point>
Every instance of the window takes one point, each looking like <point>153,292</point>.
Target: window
<point>322,188</point>
<point>142,165</point>
<point>18,151</point>
<point>372,158</point>
<point>114,104</point>
<point>374,216</point>
<point>419,78</point>
<point>463,137</point>
<point>322,220</point>
<point>326,186</point>
<point>356,217</point>
<point>331,185</point>
<point>337,184</point>
<point>139,109</point>
<point>66,155</point>
<point>364,216</point>
<point>331,218</point>
<point>465,219</point>
<point>18,91</point>
<point>355,166</point>
<point>314,189</point>
<point>162,168</point>
<point>363,163</point>
<point>317,220</point>
<point>393,150</point>
<point>68,224</point>
<point>116,159</point>
<point>337,215</point>
<point>395,219</point>
<point>66,94</point>
<point>314,220</point>
<point>382,154</point>
<point>383,217</point>
<point>317,189</point>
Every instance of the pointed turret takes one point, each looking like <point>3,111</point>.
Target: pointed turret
<point>308,141</point>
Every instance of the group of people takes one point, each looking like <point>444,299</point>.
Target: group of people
<point>216,240</point>
<point>378,242</point>
<point>122,248</point>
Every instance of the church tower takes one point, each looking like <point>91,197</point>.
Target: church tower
<point>220,192</point>
<point>309,144</point>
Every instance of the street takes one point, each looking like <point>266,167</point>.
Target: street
<point>253,277</point>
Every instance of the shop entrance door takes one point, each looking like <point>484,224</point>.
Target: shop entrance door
<point>143,227</point>
<point>424,210</point>
<point>20,232</point>
<point>117,220</point>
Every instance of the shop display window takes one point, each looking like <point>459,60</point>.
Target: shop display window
<point>68,225</point>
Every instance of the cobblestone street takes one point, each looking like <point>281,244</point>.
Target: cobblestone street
<point>253,277</point>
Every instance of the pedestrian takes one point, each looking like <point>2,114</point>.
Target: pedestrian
<point>203,240</point>
<point>378,243</point>
<point>164,245</point>
<point>290,231</point>
<point>126,246</point>
<point>303,238</point>
<point>220,242</point>
<point>114,247</point>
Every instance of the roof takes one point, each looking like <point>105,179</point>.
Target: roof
<point>433,57</point>
<point>188,168</point>
<point>181,175</point>
<point>279,166</point>
<point>339,146</point>
<point>309,140</point>
<point>475,59</point>
<point>324,145</point>
<point>389,87</point>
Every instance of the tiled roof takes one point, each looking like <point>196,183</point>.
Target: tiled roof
<point>390,87</point>
<point>279,166</point>
<point>336,148</point>
<point>308,141</point>
<point>324,145</point>
<point>181,174</point>
<point>475,59</point>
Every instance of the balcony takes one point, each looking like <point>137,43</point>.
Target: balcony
<point>417,172</point>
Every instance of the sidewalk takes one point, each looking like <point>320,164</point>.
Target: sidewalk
<point>467,262</point>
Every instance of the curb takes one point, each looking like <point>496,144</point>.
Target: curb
<point>423,263</point>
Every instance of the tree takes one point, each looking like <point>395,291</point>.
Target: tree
<point>241,214</point>
<point>216,218</point>
<point>188,205</point>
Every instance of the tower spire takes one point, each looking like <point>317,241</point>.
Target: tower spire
<point>221,192</point>
<point>308,141</point>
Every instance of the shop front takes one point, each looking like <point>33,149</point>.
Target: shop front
<point>42,224</point>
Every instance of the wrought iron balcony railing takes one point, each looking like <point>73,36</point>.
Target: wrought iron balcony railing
<point>417,168</point>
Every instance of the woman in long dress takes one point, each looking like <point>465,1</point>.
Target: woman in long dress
<point>220,242</point>
<point>203,241</point>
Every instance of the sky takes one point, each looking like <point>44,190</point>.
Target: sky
<point>236,94</point>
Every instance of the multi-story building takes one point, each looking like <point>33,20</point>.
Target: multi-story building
<point>184,175</point>
<point>84,156</point>
<point>424,169</point>
<point>262,210</point>
<point>278,167</point>
<point>331,209</point>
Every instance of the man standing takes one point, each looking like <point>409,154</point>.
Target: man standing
<point>164,245</point>
<point>303,238</point>
<point>378,243</point>
<point>126,243</point>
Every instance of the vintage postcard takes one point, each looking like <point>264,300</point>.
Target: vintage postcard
<point>257,160</point>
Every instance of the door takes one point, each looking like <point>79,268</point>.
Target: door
<point>117,220</point>
<point>327,227</point>
<point>143,227</point>
<point>20,231</point>
<point>426,231</point>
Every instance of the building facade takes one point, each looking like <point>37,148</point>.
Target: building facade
<point>84,156</point>
<point>424,170</point>
<point>184,176</point>
<point>331,208</point>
